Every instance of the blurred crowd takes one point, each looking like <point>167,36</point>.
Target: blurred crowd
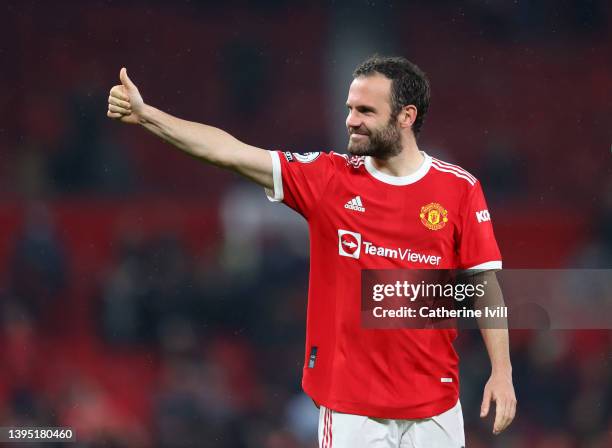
<point>181,329</point>
<point>217,352</point>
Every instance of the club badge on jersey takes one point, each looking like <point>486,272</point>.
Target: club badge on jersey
<point>433,216</point>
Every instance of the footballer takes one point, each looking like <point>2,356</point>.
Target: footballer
<point>374,388</point>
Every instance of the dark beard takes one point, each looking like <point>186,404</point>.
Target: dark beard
<point>382,144</point>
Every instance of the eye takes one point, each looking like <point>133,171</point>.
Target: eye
<point>365,110</point>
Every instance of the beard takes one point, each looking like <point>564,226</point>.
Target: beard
<point>382,143</point>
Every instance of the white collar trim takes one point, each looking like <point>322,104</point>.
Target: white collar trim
<point>399,180</point>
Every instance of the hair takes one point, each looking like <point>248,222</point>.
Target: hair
<point>409,84</point>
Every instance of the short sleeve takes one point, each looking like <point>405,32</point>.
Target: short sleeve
<point>477,246</point>
<point>300,180</point>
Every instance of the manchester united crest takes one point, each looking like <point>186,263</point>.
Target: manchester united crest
<point>433,216</point>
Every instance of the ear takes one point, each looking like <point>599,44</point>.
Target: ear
<point>407,116</point>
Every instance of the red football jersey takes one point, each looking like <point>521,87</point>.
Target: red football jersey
<point>354,213</point>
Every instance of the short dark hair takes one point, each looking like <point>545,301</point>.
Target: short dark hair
<point>409,84</point>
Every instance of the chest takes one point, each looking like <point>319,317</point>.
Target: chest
<point>423,216</point>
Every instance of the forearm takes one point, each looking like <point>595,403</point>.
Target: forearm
<point>494,330</point>
<point>499,388</point>
<point>204,142</point>
<point>201,141</point>
<point>497,342</point>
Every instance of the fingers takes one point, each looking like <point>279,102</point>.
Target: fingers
<point>501,391</point>
<point>119,93</point>
<point>500,416</point>
<point>486,403</point>
<point>510,412</point>
<point>114,115</point>
<point>120,103</point>
<point>118,110</point>
<point>505,410</point>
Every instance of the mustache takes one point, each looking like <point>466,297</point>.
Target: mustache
<point>359,131</point>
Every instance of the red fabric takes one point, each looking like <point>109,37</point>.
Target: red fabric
<point>380,373</point>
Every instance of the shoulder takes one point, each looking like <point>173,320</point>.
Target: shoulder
<point>345,160</point>
<point>309,157</point>
<point>302,157</point>
<point>453,173</point>
<point>332,159</point>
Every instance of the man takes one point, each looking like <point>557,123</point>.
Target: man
<point>375,388</point>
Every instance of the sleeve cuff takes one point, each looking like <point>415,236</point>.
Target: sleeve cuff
<point>489,265</point>
<point>275,194</point>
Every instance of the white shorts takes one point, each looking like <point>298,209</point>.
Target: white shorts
<point>338,430</point>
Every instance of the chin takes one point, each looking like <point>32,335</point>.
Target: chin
<point>358,150</point>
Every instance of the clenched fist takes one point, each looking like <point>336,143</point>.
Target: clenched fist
<point>125,102</point>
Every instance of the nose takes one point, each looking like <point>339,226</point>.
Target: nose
<point>352,120</point>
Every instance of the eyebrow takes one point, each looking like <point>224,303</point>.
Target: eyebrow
<point>362,108</point>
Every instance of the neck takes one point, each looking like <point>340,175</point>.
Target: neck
<point>405,163</point>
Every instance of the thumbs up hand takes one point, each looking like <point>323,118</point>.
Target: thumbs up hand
<point>125,102</point>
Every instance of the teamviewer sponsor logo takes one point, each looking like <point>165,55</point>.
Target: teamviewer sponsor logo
<point>349,243</point>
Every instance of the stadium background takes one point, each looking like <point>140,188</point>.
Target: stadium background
<point>149,300</point>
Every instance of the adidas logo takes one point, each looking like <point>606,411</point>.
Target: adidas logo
<point>355,204</point>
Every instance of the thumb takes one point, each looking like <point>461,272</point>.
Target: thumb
<point>486,402</point>
<point>125,80</point>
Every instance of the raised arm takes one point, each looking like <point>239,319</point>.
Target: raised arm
<point>207,143</point>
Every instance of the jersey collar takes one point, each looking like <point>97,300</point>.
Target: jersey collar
<point>399,180</point>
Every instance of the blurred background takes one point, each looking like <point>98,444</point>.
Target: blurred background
<point>148,300</point>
